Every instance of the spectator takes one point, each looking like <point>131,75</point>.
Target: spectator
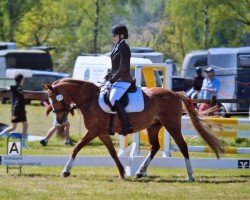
<point>198,80</point>
<point>210,87</point>
<point>18,113</point>
<point>55,127</point>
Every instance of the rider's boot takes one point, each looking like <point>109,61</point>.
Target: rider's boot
<point>126,127</point>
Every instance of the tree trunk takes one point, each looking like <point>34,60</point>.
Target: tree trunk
<point>206,27</point>
<point>96,22</point>
<point>12,19</point>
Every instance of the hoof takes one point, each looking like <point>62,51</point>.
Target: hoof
<point>138,176</point>
<point>65,174</point>
<point>191,179</point>
<point>122,178</point>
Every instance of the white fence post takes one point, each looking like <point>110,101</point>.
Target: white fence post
<point>168,84</point>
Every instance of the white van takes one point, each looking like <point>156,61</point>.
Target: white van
<point>94,68</point>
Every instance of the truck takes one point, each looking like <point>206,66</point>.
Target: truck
<point>232,68</point>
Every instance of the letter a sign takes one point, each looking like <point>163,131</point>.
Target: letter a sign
<point>14,148</point>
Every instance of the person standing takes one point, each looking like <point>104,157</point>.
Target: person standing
<point>18,113</point>
<point>118,79</point>
<point>210,87</point>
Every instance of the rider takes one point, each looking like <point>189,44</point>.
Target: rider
<point>198,80</point>
<point>118,78</point>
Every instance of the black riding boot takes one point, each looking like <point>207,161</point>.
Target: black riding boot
<point>126,127</point>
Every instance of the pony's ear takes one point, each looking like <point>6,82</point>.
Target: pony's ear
<point>48,87</point>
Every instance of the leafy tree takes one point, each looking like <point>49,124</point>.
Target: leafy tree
<point>201,24</point>
<point>11,12</point>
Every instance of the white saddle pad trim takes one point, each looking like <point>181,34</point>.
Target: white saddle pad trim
<point>136,102</point>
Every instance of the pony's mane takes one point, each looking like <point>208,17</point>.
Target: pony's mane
<point>74,81</point>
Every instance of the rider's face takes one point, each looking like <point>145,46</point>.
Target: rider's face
<point>116,39</point>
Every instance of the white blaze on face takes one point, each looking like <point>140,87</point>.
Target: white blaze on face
<point>50,101</point>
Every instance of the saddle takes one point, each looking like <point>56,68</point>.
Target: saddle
<point>132,101</point>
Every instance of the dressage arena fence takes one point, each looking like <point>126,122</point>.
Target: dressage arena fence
<point>222,127</point>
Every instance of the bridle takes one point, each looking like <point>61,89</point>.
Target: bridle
<point>65,108</point>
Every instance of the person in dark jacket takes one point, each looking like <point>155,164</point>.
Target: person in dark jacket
<point>18,113</point>
<point>118,79</point>
<point>198,80</point>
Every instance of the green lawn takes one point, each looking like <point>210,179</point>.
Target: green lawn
<point>102,182</point>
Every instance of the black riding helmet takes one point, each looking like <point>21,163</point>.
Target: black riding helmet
<point>119,30</point>
<point>198,70</point>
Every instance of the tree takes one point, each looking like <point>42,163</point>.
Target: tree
<point>201,24</point>
<point>11,12</point>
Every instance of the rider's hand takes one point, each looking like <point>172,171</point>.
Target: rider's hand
<point>108,85</point>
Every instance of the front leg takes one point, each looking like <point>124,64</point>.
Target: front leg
<point>105,138</point>
<point>84,141</point>
<point>67,168</point>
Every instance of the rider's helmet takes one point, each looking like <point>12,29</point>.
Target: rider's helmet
<point>198,70</point>
<point>119,30</point>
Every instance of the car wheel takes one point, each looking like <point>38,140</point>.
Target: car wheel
<point>3,100</point>
<point>222,111</point>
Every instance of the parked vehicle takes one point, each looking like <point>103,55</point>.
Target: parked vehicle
<point>24,59</point>
<point>192,60</point>
<point>35,65</point>
<point>94,67</point>
<point>232,68</point>
<point>7,45</point>
<point>34,79</point>
<point>145,52</point>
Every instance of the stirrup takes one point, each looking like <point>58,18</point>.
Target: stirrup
<point>126,131</point>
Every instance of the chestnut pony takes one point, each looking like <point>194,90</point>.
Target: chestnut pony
<point>162,108</point>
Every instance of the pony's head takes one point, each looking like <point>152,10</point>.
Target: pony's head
<point>59,101</point>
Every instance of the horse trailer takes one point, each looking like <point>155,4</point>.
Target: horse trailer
<point>232,68</point>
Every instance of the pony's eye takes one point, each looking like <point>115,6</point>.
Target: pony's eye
<point>59,97</point>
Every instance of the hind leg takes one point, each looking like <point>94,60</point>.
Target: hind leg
<point>179,140</point>
<point>153,132</point>
<point>174,128</point>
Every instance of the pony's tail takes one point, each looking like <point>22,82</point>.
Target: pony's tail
<point>202,127</point>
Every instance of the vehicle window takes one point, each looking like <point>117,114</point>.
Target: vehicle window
<point>202,61</point>
<point>244,61</point>
<point>35,83</point>
<point>34,61</point>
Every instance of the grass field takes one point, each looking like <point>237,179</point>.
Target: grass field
<point>102,182</point>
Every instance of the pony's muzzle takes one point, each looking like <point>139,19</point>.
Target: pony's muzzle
<point>62,120</point>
